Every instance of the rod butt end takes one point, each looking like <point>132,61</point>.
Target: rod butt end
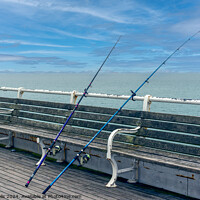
<point>44,192</point>
<point>27,184</point>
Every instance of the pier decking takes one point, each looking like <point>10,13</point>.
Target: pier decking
<point>16,167</point>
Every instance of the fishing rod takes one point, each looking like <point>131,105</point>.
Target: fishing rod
<point>75,108</point>
<point>131,97</point>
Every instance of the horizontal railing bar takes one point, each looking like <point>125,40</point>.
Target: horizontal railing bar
<point>109,96</point>
<point>35,91</point>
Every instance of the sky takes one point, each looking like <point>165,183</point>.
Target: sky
<point>77,35</point>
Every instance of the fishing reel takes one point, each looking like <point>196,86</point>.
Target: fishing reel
<point>133,94</point>
<point>56,149</point>
<point>83,159</point>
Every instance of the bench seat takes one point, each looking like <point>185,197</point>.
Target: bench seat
<point>185,162</point>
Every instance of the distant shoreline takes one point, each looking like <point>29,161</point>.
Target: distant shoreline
<point>90,72</point>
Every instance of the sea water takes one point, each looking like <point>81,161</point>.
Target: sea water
<point>172,85</point>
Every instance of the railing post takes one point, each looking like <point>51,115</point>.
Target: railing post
<point>73,97</point>
<point>147,103</point>
<point>20,92</point>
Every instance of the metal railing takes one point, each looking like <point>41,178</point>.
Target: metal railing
<point>147,100</point>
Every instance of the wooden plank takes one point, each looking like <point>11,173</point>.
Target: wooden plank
<point>171,117</point>
<point>37,129</point>
<point>7,105</point>
<point>67,106</point>
<point>8,100</point>
<point>44,110</point>
<point>161,116</point>
<point>104,118</point>
<point>91,185</point>
<point>46,104</point>
<point>5,112</point>
<point>169,136</point>
<point>163,145</point>
<point>170,126</point>
<point>41,117</point>
<point>95,125</point>
<point>5,118</point>
<point>186,128</point>
<point>80,115</point>
<point>38,124</point>
<point>42,180</point>
<point>50,128</point>
<point>68,131</point>
<point>153,136</point>
<point>52,104</point>
<point>117,119</point>
<point>72,131</point>
<point>70,189</point>
<point>142,114</point>
<point>110,111</point>
<point>35,188</point>
<point>75,122</point>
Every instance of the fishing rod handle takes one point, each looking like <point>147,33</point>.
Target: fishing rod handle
<point>44,192</point>
<point>49,149</point>
<point>28,182</point>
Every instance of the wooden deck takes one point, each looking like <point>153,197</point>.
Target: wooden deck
<point>16,167</point>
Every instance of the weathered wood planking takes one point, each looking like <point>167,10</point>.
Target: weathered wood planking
<point>90,185</point>
<point>122,121</point>
<point>109,111</point>
<point>176,133</point>
<point>171,136</point>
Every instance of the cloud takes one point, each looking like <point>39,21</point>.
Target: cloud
<point>8,58</point>
<point>56,61</point>
<point>151,31</point>
<point>23,2</point>
<point>70,7</point>
<point>20,42</point>
<point>95,13</point>
<point>187,26</point>
<point>46,52</point>
<point>137,13</point>
<point>87,37</point>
